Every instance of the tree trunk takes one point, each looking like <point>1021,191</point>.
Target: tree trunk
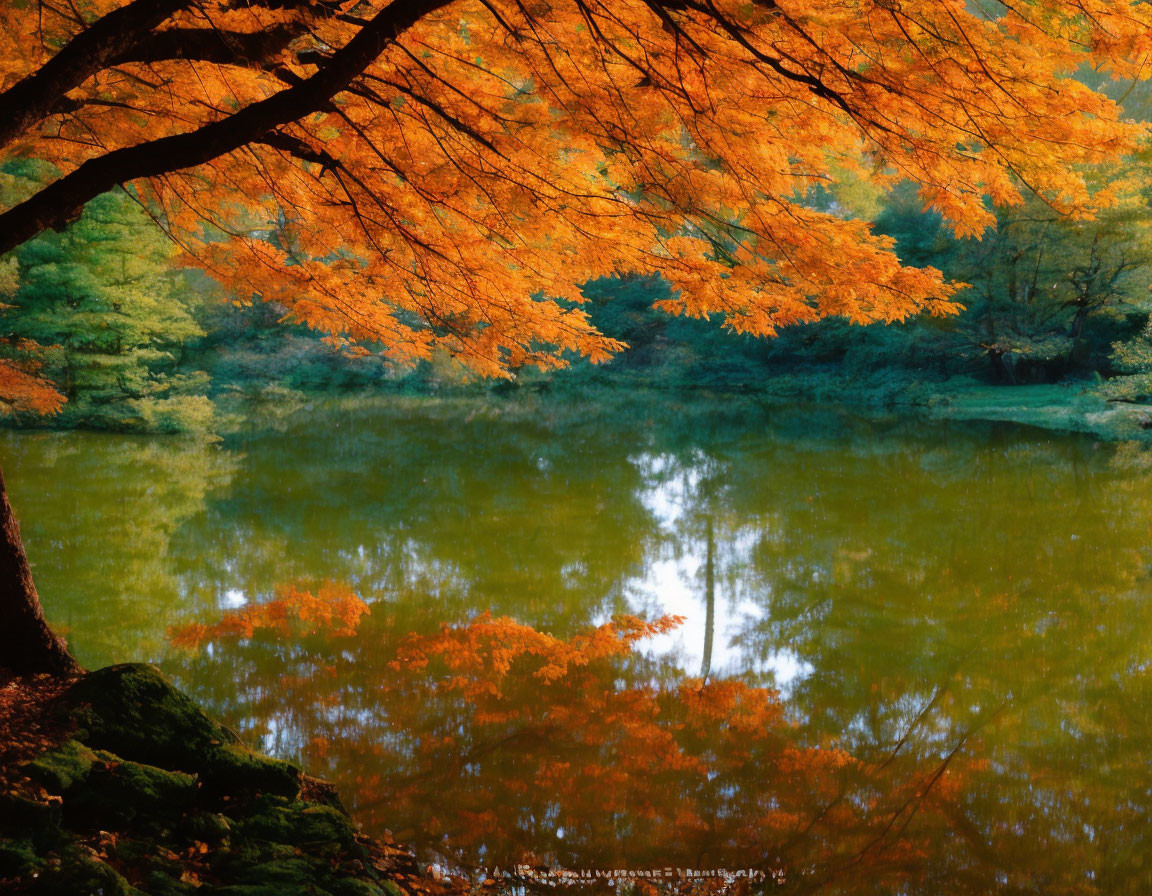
<point>27,645</point>
<point>709,601</point>
<point>1001,368</point>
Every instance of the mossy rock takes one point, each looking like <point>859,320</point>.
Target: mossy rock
<point>18,858</point>
<point>128,793</point>
<point>290,877</point>
<point>109,790</point>
<point>296,871</point>
<point>80,875</point>
<point>233,768</point>
<point>392,888</point>
<point>160,884</point>
<point>277,889</point>
<point>132,710</point>
<point>353,887</point>
<point>207,827</point>
<point>176,805</point>
<point>62,769</point>
<point>241,854</point>
<point>299,824</point>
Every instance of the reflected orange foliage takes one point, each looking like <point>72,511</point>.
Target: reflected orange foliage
<point>333,609</point>
<point>492,735</point>
<point>481,655</point>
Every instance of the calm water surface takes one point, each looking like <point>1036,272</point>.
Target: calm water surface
<point>912,659</point>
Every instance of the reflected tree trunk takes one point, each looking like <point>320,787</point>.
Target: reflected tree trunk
<point>709,598</point>
<point>27,644</point>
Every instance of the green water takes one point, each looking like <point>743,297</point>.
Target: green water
<point>948,629</point>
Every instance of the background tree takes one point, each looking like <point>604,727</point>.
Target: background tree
<point>1040,284</point>
<point>104,298</point>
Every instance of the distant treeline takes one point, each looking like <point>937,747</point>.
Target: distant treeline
<point>136,343</point>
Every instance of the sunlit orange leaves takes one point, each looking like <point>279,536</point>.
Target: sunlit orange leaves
<point>496,155</point>
<point>22,389</point>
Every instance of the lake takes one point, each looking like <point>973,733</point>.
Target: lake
<point>905,658</point>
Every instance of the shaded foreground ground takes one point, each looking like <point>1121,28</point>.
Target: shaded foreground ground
<point>116,783</point>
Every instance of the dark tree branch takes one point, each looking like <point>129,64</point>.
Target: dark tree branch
<point>212,45</point>
<point>64,199</point>
<point>299,149</point>
<point>35,97</point>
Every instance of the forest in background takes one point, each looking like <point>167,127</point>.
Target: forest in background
<point>137,344</point>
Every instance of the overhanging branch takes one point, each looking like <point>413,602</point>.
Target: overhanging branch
<point>64,199</point>
<point>35,97</point>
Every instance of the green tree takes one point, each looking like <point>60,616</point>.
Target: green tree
<point>1047,294</point>
<point>114,320</point>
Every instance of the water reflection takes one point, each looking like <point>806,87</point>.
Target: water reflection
<point>968,602</point>
<point>582,752</point>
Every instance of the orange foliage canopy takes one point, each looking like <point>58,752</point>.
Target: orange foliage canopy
<point>425,173</point>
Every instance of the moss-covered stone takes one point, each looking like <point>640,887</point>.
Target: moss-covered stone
<point>294,870</point>
<point>298,824</point>
<point>277,889</point>
<point>158,883</point>
<point>22,816</point>
<point>352,887</point>
<point>391,888</point>
<point>120,792</point>
<point>62,769</point>
<point>207,827</point>
<point>230,768</point>
<point>132,710</point>
<point>75,873</point>
<point>18,858</point>
<point>151,798</point>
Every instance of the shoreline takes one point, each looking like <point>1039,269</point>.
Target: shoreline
<point>1071,408</point>
<point>115,782</point>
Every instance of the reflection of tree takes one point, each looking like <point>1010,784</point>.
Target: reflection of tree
<point>107,510</point>
<point>687,493</point>
<point>938,587</point>
<point>493,742</point>
<point>407,506</point>
<point>974,577</point>
<point>709,596</point>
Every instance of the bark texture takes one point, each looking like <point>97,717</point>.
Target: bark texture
<point>27,644</point>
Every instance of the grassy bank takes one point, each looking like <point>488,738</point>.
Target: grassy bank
<point>1065,407</point>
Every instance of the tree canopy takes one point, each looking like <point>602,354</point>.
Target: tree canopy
<point>435,174</point>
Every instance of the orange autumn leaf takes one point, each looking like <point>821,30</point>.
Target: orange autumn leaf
<point>442,175</point>
<point>22,389</point>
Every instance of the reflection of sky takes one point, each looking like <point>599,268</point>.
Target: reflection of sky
<point>674,584</point>
<point>672,587</point>
<point>679,493</point>
<point>232,599</point>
